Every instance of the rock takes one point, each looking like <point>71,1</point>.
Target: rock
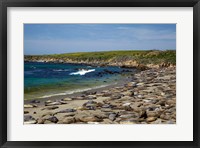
<point>150,119</point>
<point>67,99</point>
<point>67,120</point>
<point>53,119</point>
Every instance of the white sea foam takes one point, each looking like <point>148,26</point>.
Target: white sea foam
<point>73,91</point>
<point>60,70</point>
<point>82,72</point>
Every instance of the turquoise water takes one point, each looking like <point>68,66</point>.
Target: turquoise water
<point>48,79</point>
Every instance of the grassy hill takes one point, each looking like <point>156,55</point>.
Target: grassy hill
<point>121,58</point>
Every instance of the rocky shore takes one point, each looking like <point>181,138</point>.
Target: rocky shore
<point>149,98</point>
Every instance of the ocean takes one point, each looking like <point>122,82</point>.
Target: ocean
<point>43,80</point>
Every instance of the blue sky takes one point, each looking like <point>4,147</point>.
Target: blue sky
<point>66,38</point>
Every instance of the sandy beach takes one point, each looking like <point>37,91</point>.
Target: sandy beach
<point>146,97</point>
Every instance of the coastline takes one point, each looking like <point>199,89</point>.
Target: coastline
<point>81,92</point>
<point>148,97</point>
<point>141,60</point>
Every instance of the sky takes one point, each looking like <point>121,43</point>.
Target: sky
<point>42,39</point>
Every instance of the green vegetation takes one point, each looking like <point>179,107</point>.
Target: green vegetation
<point>140,56</point>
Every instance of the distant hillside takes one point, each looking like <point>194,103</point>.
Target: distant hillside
<point>131,58</point>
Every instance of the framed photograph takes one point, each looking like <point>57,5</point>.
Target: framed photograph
<point>100,73</point>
